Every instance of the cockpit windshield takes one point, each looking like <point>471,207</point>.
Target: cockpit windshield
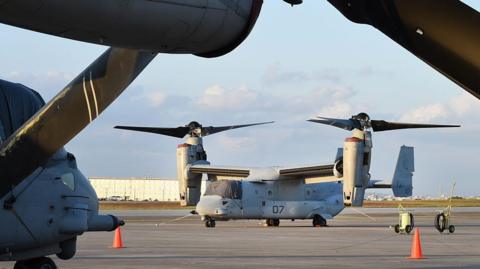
<point>17,104</point>
<point>231,189</point>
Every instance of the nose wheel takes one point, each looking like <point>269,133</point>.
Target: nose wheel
<point>209,222</point>
<point>37,263</point>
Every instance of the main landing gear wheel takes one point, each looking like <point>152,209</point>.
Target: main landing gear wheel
<point>319,221</point>
<point>451,229</point>
<point>38,263</point>
<point>272,222</point>
<point>209,222</point>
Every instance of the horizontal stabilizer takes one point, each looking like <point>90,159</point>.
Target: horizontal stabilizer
<point>401,184</point>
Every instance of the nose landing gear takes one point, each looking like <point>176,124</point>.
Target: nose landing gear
<point>37,263</point>
<point>209,222</point>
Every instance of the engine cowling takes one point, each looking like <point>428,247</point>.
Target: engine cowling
<point>204,28</point>
<point>356,166</point>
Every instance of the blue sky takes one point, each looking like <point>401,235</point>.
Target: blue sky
<point>297,63</point>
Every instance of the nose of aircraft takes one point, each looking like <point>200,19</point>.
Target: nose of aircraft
<point>211,205</point>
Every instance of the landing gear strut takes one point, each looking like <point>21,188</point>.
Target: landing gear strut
<point>319,221</point>
<point>37,263</point>
<point>209,222</point>
<point>273,222</point>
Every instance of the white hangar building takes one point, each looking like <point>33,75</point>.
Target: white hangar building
<point>136,189</point>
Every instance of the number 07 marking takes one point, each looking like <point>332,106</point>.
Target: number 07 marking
<point>277,209</point>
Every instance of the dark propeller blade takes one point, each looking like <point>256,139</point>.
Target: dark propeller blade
<point>443,33</point>
<point>213,130</point>
<point>78,104</point>
<point>193,128</point>
<point>381,125</point>
<point>340,123</point>
<point>362,122</point>
<point>175,132</point>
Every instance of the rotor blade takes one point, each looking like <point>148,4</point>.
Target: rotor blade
<point>381,125</point>
<point>212,130</point>
<point>179,132</point>
<point>443,33</point>
<point>340,123</point>
<point>78,104</point>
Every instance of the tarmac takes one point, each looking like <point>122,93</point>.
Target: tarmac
<point>361,238</point>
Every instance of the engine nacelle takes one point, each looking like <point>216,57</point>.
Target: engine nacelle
<point>189,184</point>
<point>356,166</point>
<point>205,28</point>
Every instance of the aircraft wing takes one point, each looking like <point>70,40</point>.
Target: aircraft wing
<point>222,171</point>
<point>443,33</point>
<point>70,111</point>
<point>308,171</point>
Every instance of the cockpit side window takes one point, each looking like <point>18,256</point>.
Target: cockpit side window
<point>231,189</point>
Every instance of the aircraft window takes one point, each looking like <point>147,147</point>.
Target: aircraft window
<point>69,180</point>
<point>231,189</point>
<point>269,193</point>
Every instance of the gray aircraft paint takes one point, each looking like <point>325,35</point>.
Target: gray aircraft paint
<point>204,27</point>
<point>265,195</point>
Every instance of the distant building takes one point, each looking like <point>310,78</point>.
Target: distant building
<point>136,189</point>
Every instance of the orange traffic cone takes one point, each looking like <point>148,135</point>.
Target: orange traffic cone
<point>416,246</point>
<point>117,239</point>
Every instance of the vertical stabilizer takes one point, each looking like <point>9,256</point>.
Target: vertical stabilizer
<point>402,177</point>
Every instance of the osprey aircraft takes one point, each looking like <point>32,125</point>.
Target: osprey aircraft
<point>317,192</point>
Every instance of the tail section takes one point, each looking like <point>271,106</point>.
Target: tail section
<point>402,177</point>
<point>401,184</point>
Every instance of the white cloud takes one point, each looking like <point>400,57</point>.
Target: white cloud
<point>461,106</point>
<point>426,114</point>
<point>152,98</point>
<point>337,110</point>
<point>157,98</point>
<point>217,97</point>
<point>274,74</point>
<point>236,144</point>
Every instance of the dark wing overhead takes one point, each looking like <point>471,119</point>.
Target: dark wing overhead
<point>68,113</point>
<point>381,125</point>
<point>443,33</point>
<point>175,132</point>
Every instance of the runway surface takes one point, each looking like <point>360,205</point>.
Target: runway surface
<point>159,239</point>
